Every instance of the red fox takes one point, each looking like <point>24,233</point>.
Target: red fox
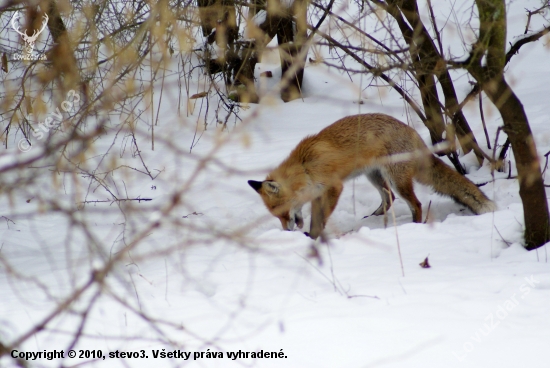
<point>390,154</point>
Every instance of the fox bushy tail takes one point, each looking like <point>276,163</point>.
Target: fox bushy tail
<point>448,182</point>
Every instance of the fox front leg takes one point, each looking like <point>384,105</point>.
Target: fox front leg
<point>322,207</point>
<point>298,218</point>
<point>317,218</point>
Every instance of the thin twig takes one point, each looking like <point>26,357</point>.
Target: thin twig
<point>530,13</point>
<point>428,212</point>
<point>483,121</point>
<point>396,232</point>
<point>505,241</point>
<point>434,26</point>
<point>118,200</point>
<point>546,162</point>
<point>135,290</point>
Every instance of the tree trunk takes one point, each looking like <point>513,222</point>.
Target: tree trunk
<point>289,51</point>
<point>238,60</point>
<point>290,27</point>
<point>431,63</point>
<point>491,44</point>
<point>426,80</point>
<point>531,184</point>
<point>65,68</point>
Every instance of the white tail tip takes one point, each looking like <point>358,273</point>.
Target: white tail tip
<point>487,207</point>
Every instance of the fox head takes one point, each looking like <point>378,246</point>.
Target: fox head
<point>279,203</point>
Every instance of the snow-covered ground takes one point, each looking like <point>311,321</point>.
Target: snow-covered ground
<point>217,275</point>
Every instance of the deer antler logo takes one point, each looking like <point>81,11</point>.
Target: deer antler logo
<point>29,40</point>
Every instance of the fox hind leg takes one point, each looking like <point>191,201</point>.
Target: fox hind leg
<point>383,187</point>
<point>401,181</point>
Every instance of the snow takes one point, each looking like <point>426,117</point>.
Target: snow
<point>260,17</point>
<point>218,274</point>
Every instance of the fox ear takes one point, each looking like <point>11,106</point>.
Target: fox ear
<point>272,187</point>
<point>256,185</point>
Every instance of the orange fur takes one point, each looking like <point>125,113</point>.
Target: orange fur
<point>390,153</point>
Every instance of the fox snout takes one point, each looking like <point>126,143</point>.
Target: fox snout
<point>256,185</point>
